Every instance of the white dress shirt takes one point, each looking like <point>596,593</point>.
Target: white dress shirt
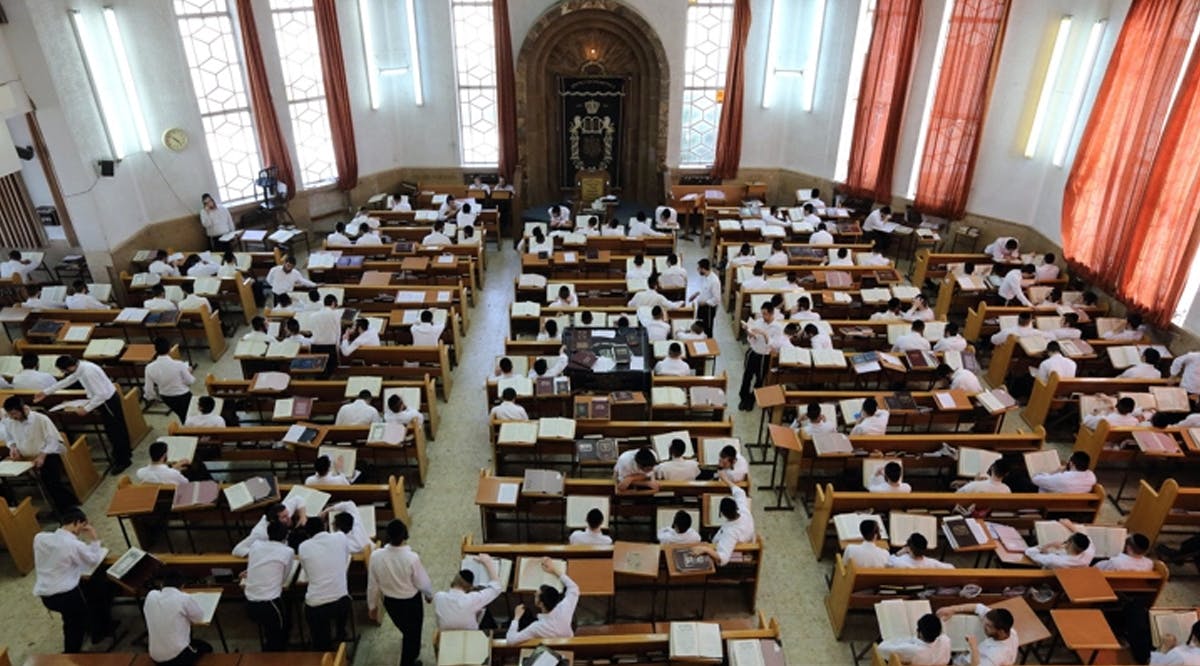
<point>965,380</point>
<point>83,301</point>
<point>1060,559</point>
<point>267,568</point>
<point>881,485</point>
<point>465,219</point>
<point>740,469</point>
<point>159,304</point>
<point>874,221</point>
<point>777,259</point>
<point>1187,367</point>
<point>672,221</point>
<point>436,238</point>
<point>338,238</point>
<point>820,237</point>
<point>648,298</point>
<point>994,652</point>
<point>677,469</point>
<point>589,538</point>
<point>1180,655</point>
<point>866,555</point>
<point>170,614</point>
<point>916,652</point>
<point>213,420</point>
<point>876,424</point>
<point>426,334</point>
<point>96,384</point>
<point>1046,273</point>
<point>34,436</point>
<point>811,428</point>
<point>60,558</point>
<point>216,222</point>
<point>162,269</point>
<point>710,290</point>
<point>821,341</point>
<point>639,229</point>
<point>735,531</point>
<point>998,252</point>
<point>1066,481</point>
<point>509,411</point>
<point>556,623</point>
<point>283,282</point>
<point>160,473</point>
<point>626,465</point>
<point>1123,562</point>
<point>371,237</point>
<point>911,341</point>
<point>907,561</point>
<point>330,479</point>
<point>658,330</point>
<point>291,505</point>
<point>669,536</point>
<point>951,343</point>
<point>1135,371</point>
<point>396,572</point>
<point>1056,363</point>
<point>404,417</point>
<point>984,486</point>
<point>367,338</point>
<point>760,334</point>
<point>1010,287</point>
<point>1114,419</point>
<point>194,302</point>
<point>168,377</point>
<point>1002,336</point>
<point>326,325</point>
<point>674,277</point>
<point>458,610</point>
<point>325,558</point>
<point>1126,335</point>
<point>32,380</point>
<point>358,413</point>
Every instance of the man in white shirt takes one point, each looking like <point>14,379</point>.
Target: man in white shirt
<point>889,478</point>
<point>677,468</point>
<point>395,575</point>
<point>958,380</point>
<point>325,557</point>
<point>680,531</point>
<point>732,466</point>
<point>101,394</point>
<point>560,217</point>
<point>169,379</point>
<point>820,236</point>
<point>338,237</point>
<point>158,301</point>
<point>326,325</point>
<point>914,555</point>
<point>160,471</point>
<point>362,335</point>
<point>1076,551</point>
<point>35,301</point>
<point>1171,652</point>
<point>1048,270</point>
<point>812,221</point>
<point>268,567</point>
<point>594,534</point>
<point>876,219</point>
<point>286,278</point>
<point>638,269</point>
<point>543,369</point>
<point>1010,288</point>
<point>555,610</point>
<point>80,299</point>
<point>369,237</point>
<point>1132,331</point>
<point>1067,330</point>
<point>914,340</point>
<point>891,312</point>
<point>649,297</point>
<point>1132,558</point>
<point>639,227</point>
<point>1001,646</point>
<point>462,606</point>
<point>778,256</point>
<point>426,333</point>
<point>666,217</point>
<point>61,558</point>
<point>190,300</point>
<point>673,276</point>
<point>17,265</point>
<point>759,333</point>
<point>919,310</point>
<point>508,409</point>
<point>866,554</point>
<point>841,258</point>
<point>1147,369</point>
<point>817,339</point>
<point>326,473</point>
<point>360,412</point>
<point>170,614</point>
<point>1187,368</point>
<point>437,237</point>
<point>1074,477</point>
<point>162,266</point>
<point>804,310</point>
<point>874,421</point>
<point>658,328</point>
<point>1123,416</point>
<point>738,527</point>
<point>991,482</point>
<point>448,209</point>
<point>634,469</point>
<point>33,437</point>
<point>1024,327</point>
<point>1055,363</point>
<point>930,646</point>
<point>205,416</point>
<point>951,340</point>
<point>673,365</point>
<point>1004,249</point>
<point>814,421</point>
<point>466,217</point>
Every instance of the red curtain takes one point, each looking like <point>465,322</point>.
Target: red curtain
<point>270,138</point>
<point>506,89</point>
<point>1123,161</point>
<point>729,130</point>
<point>881,98</point>
<point>337,94</point>
<point>956,123</point>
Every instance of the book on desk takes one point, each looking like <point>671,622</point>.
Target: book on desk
<point>596,450</point>
<point>194,494</point>
<point>547,482</point>
<point>695,640</point>
<point>464,648</point>
<point>504,569</point>
<point>252,492</point>
<point>531,577</point>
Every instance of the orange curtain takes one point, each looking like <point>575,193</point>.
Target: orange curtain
<point>1118,165</point>
<point>337,94</point>
<point>956,122</point>
<point>506,89</point>
<point>881,98</point>
<point>271,145</point>
<point>729,130</point>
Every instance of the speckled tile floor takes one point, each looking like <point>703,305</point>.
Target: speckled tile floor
<point>443,511</point>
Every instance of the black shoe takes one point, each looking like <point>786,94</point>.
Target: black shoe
<point>1166,552</point>
<point>118,468</point>
<point>111,632</point>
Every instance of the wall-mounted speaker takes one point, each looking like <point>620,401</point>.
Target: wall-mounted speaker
<point>108,168</point>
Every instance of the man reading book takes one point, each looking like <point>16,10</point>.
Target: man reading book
<point>1001,644</point>
<point>867,554</point>
<point>930,646</point>
<point>555,610</point>
<point>680,530</point>
<point>634,470</point>
<point>1132,558</point>
<point>1074,477</point>
<point>464,605</point>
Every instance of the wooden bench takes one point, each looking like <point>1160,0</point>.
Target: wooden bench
<point>852,588</point>
<point>73,425</point>
<point>238,289</point>
<point>531,325</point>
<point>627,433</point>
<point>1110,447</point>
<point>1170,505</point>
<point>1060,393</point>
<point>830,502</point>
<point>980,319</point>
<point>18,526</point>
<point>594,293</point>
<point>926,418</point>
<point>193,325</point>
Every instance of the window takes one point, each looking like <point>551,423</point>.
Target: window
<point>475,68</point>
<point>709,28</point>
<point>935,75</point>
<point>858,62</point>
<point>215,63</point>
<point>300,58</point>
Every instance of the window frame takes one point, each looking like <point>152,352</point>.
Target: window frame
<point>468,143</point>
<point>689,146</point>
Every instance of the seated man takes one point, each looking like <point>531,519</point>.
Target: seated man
<point>508,409</point>
<point>732,466</point>
<point>1074,477</point>
<point>1076,551</point>
<point>1001,646</point>
<point>677,468</point>
<point>360,412</point>
<point>1132,558</point>
<point>30,378</point>
<point>205,416</point>
<point>873,421</point>
<point>326,473</point>
<point>80,299</point>
<point>680,531</point>
<point>634,470</point>
<point>913,555</point>
<point>991,482</point>
<point>889,479</point>
<point>738,527</point>
<point>867,554</point>
<point>913,340</point>
<point>1147,369</point>
<point>360,335</point>
<point>814,421</point>
<point>160,470</point>
<point>406,415</point>
<point>593,535</point>
<point>1055,363</point>
<point>556,610</point>
<point>961,379</point>
<point>673,365</point>
<point>930,647</point>
<point>1123,416</point>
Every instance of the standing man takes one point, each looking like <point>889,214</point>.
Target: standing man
<point>61,558</point>
<point>462,606</point>
<point>285,278</point>
<point>396,575</point>
<point>32,436</point>
<point>170,613</point>
<point>102,394</point>
<point>759,332</point>
<point>325,557</point>
<point>267,569</point>
<point>708,298</point>
<point>169,379</point>
<point>326,325</point>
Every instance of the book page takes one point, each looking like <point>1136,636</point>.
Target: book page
<point>518,432</point>
<point>904,525</point>
<point>662,444</point>
<point>745,652</point>
<point>708,640</point>
<point>1171,623</point>
<point>283,409</point>
<point>681,640</point>
<point>1050,532</point>
<point>556,428</point>
<point>208,603</point>
<point>958,627</point>
<point>125,563</point>
<point>668,396</point>
<point>897,618</point>
<point>1045,461</point>
<point>11,468</point>
<point>180,448</point>
<point>507,493</point>
<point>314,500</point>
<point>238,496</point>
<point>344,458</point>
<point>973,462</point>
<point>578,507</point>
<point>847,526</point>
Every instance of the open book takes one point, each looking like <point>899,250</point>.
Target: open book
<point>1170,398</point>
<point>314,500</point>
<point>208,601</point>
<point>355,385</point>
<point>271,381</point>
<point>959,626</point>
<point>504,568</point>
<point>847,525</point>
<point>1045,461</point>
<point>543,482</point>
<point>872,465</point>
<point>695,640</point>
<point>1108,541</point>
<point>974,462</point>
<point>518,432</point>
<point>254,490</point>
<point>11,468</point>
<point>710,448</point>
<point>904,525</point>
<point>832,443</point>
<point>749,651</point>
<point>463,648</point>
<point>530,575</point>
<point>897,618</point>
<point>1170,622</point>
<point>386,433</point>
<point>180,448</point>
<point>662,444</point>
<point>344,459</point>
<point>556,428</point>
<point>578,507</point>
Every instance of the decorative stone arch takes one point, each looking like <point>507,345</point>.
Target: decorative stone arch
<point>592,38</point>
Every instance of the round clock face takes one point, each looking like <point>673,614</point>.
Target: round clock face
<point>175,139</point>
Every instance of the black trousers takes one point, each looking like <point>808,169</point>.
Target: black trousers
<point>706,314</point>
<point>326,621</point>
<point>178,404</point>
<point>272,618</point>
<point>57,484</point>
<point>407,615</point>
<point>83,612</point>
<point>190,655</point>
<point>118,433</point>
<point>753,375</point>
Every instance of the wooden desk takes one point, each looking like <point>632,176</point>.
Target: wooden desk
<point>211,659</point>
<point>1084,630</point>
<point>138,353</point>
<point>377,278</point>
<point>636,559</point>
<point>1085,585</point>
<point>1029,628</point>
<point>86,659</point>
<point>132,500</point>
<point>594,577</point>
<point>783,442</point>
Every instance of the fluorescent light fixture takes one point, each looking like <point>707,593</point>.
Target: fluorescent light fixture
<point>392,71</point>
<point>814,53</point>
<point>1048,81</point>
<point>131,93</point>
<point>368,41</point>
<point>108,106</point>
<point>772,54</point>
<point>415,56</point>
<point>927,111</point>
<point>1082,78</point>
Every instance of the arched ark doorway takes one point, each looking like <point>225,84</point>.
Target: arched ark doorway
<point>609,50</point>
